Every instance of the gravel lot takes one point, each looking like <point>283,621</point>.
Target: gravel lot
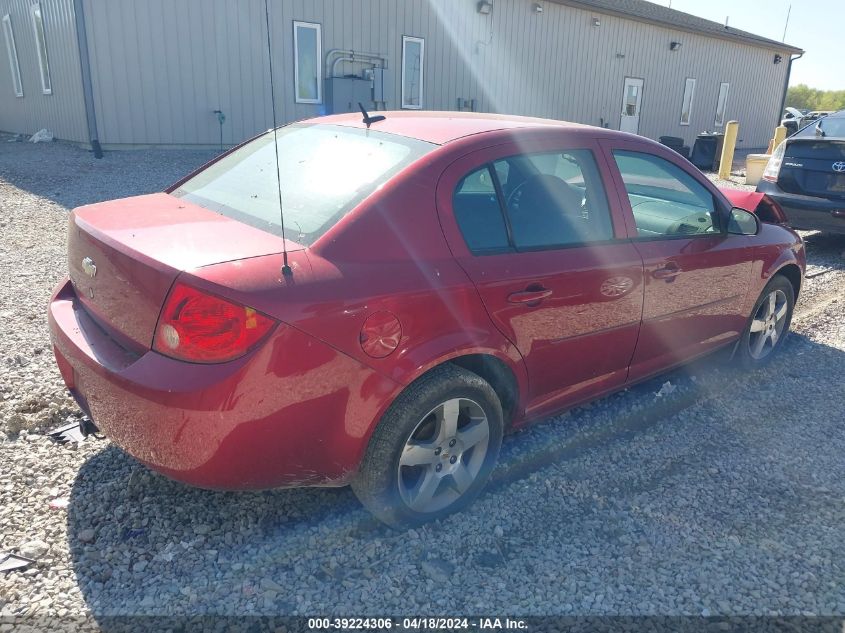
<point>719,493</point>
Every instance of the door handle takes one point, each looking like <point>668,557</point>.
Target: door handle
<point>529,296</point>
<point>668,272</point>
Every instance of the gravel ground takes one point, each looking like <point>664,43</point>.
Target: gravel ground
<point>708,491</point>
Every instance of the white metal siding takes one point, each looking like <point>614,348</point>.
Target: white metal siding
<point>161,67</point>
<point>63,111</point>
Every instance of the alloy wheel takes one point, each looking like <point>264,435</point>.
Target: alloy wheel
<point>767,325</point>
<point>444,455</point>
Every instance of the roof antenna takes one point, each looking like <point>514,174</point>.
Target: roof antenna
<point>369,120</point>
<point>286,269</point>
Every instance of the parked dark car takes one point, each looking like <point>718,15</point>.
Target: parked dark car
<point>446,278</point>
<point>806,176</point>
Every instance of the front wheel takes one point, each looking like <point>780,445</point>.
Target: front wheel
<point>769,323</point>
<point>433,450</point>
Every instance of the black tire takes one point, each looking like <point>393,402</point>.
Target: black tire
<point>747,343</point>
<point>379,485</point>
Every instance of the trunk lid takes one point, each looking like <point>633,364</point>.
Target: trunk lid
<point>814,167</point>
<point>124,255</point>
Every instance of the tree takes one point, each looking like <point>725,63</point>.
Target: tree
<point>805,98</point>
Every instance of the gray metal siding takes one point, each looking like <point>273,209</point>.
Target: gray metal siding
<point>161,67</point>
<point>63,111</point>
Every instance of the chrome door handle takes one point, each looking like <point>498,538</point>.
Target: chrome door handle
<point>667,272</point>
<point>529,296</point>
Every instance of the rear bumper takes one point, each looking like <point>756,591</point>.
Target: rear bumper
<point>807,212</point>
<point>294,412</point>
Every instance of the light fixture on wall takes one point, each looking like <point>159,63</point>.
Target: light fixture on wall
<point>538,8</point>
<point>596,21</point>
<point>675,46</point>
<point>484,7</point>
<point>778,59</point>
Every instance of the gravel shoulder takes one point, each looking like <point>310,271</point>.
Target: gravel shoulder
<point>721,493</point>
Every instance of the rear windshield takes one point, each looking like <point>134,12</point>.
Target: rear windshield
<point>326,170</point>
<point>833,126</point>
<point>830,126</point>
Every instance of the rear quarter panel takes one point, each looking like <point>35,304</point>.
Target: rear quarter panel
<point>388,255</point>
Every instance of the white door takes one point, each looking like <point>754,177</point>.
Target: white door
<point>632,98</point>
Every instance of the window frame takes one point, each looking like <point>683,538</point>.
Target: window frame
<point>511,247</point>
<point>315,26</point>
<point>684,99</point>
<point>421,41</point>
<point>12,52</point>
<point>43,59</point>
<point>726,86</point>
<point>718,209</point>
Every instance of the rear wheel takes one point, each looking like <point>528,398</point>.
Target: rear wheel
<point>769,323</point>
<point>433,450</point>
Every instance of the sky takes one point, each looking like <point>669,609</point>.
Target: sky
<point>817,26</point>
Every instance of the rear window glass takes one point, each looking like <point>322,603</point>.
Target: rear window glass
<point>833,126</point>
<point>326,170</point>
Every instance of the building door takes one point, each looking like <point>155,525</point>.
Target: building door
<point>632,97</point>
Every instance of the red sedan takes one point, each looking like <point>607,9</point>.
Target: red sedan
<point>444,278</point>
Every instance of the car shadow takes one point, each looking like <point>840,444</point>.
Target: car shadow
<point>142,544</point>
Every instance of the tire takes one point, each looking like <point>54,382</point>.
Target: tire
<point>433,450</point>
<point>764,333</point>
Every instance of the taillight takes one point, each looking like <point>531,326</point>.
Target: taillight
<point>772,170</point>
<point>203,328</point>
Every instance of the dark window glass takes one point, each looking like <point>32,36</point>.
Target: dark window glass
<point>555,199</point>
<point>833,126</point>
<point>478,213</point>
<point>666,200</point>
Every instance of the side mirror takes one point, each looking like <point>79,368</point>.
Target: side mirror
<point>742,222</point>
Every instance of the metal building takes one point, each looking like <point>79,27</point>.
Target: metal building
<point>160,72</point>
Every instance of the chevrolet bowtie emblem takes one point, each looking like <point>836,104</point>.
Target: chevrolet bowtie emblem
<point>89,267</point>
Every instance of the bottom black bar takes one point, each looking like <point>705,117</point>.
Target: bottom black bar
<point>532,624</point>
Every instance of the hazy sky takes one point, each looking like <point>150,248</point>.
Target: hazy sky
<point>817,26</point>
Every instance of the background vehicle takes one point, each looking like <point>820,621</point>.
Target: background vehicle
<point>791,120</point>
<point>445,278</point>
<point>806,175</point>
<point>815,115</point>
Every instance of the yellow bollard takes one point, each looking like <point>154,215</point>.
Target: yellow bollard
<point>728,146</point>
<point>780,135</point>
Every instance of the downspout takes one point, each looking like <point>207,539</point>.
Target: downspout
<point>786,85</point>
<point>87,86</point>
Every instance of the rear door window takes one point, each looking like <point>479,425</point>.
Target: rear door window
<point>533,202</point>
<point>478,212</point>
<point>556,199</point>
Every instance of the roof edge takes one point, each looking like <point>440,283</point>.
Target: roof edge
<point>729,34</point>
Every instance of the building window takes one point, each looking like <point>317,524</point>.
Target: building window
<point>686,104</point>
<point>413,54</point>
<point>307,64</point>
<point>13,56</point>
<point>722,104</point>
<point>41,47</point>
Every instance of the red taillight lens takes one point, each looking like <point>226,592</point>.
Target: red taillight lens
<point>203,328</point>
